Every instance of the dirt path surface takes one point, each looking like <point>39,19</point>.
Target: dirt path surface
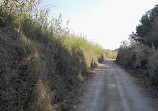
<point>112,89</point>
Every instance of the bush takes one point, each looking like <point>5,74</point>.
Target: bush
<point>138,56</point>
<point>153,67</point>
<point>134,56</point>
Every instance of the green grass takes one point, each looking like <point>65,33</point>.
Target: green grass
<point>92,52</point>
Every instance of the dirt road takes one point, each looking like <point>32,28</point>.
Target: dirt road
<point>113,90</point>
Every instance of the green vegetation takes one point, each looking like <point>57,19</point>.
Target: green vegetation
<point>92,52</point>
<point>146,31</point>
<point>42,65</point>
<point>133,56</point>
<point>137,56</point>
<point>142,52</point>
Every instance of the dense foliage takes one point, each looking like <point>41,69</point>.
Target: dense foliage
<point>133,56</point>
<point>146,31</point>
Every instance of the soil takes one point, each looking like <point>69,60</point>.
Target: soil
<point>143,81</point>
<point>113,89</point>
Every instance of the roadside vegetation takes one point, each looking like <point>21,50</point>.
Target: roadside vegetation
<point>42,65</point>
<point>142,51</point>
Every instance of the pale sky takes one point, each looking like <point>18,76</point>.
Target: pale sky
<point>106,22</point>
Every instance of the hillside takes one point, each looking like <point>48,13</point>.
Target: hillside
<point>42,66</point>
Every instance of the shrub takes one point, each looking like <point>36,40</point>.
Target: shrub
<point>134,56</point>
<point>153,67</point>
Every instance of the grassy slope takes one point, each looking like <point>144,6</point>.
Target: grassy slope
<point>39,70</point>
<point>34,74</point>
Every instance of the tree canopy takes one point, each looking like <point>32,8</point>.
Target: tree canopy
<point>146,31</point>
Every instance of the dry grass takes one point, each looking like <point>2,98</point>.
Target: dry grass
<point>39,76</point>
<point>41,70</point>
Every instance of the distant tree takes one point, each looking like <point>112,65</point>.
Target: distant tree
<point>124,44</point>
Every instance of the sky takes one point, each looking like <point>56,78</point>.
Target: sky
<point>106,22</point>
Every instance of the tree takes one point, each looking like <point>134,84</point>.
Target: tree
<point>146,31</point>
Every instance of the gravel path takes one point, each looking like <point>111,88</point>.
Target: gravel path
<point>112,89</point>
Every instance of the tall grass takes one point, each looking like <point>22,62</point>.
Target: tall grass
<point>93,53</point>
<point>41,66</point>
